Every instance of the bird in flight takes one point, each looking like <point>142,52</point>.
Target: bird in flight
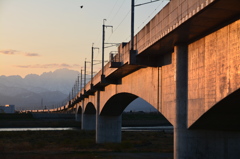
<point>81,6</point>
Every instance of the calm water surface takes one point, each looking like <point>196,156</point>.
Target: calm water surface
<point>148,128</point>
<point>37,129</point>
<point>152,128</point>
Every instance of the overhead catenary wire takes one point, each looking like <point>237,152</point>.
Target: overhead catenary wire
<point>146,20</point>
<point>112,9</point>
<point>112,19</point>
<point>124,18</point>
<point>119,24</point>
<point>117,12</point>
<point>98,39</point>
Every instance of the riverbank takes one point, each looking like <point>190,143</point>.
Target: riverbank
<point>81,144</point>
<point>55,120</point>
<point>28,120</point>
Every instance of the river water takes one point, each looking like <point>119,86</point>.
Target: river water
<point>148,128</point>
<point>37,129</point>
<point>152,128</point>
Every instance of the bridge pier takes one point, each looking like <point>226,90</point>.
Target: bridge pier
<point>209,144</point>
<point>88,118</point>
<point>88,121</point>
<point>198,143</point>
<point>78,113</point>
<point>180,127</point>
<point>78,117</point>
<point>109,129</point>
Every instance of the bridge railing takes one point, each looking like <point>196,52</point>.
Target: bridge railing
<point>114,57</point>
<point>170,17</point>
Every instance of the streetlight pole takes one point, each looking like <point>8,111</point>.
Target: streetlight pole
<point>133,52</point>
<point>132,25</point>
<point>103,39</point>
<point>72,92</point>
<point>81,80</point>
<point>103,42</point>
<point>78,85</point>
<point>92,64</point>
<point>85,73</point>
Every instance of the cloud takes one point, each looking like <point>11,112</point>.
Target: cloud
<point>53,65</point>
<point>8,52</point>
<point>23,66</point>
<point>31,54</point>
<point>16,52</point>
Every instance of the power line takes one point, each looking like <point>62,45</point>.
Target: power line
<point>112,9</point>
<point>150,15</point>
<point>117,11</point>
<point>121,20</point>
<point>127,38</point>
<point>99,35</point>
<point>119,23</point>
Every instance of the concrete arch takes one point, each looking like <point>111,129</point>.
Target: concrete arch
<point>90,109</point>
<point>79,110</point>
<point>117,103</point>
<point>89,117</point>
<point>109,120</point>
<point>78,113</point>
<point>224,115</point>
<point>137,83</point>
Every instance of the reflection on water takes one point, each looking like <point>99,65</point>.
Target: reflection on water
<point>36,129</point>
<point>152,128</point>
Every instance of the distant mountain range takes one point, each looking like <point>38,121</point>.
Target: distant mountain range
<point>32,91</point>
<point>49,89</point>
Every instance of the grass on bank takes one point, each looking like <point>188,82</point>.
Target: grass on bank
<point>82,141</point>
<point>77,144</point>
<point>128,119</point>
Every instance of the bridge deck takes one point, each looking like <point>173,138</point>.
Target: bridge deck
<point>155,42</point>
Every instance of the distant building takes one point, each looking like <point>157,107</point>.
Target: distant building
<point>7,109</point>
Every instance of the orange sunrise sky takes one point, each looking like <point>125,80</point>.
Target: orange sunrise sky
<point>44,35</point>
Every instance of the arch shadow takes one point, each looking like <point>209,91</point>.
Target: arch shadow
<point>90,109</point>
<point>224,115</point>
<point>117,103</point>
<point>79,110</point>
<point>78,113</point>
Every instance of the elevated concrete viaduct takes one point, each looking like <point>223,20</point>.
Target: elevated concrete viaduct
<point>188,68</point>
